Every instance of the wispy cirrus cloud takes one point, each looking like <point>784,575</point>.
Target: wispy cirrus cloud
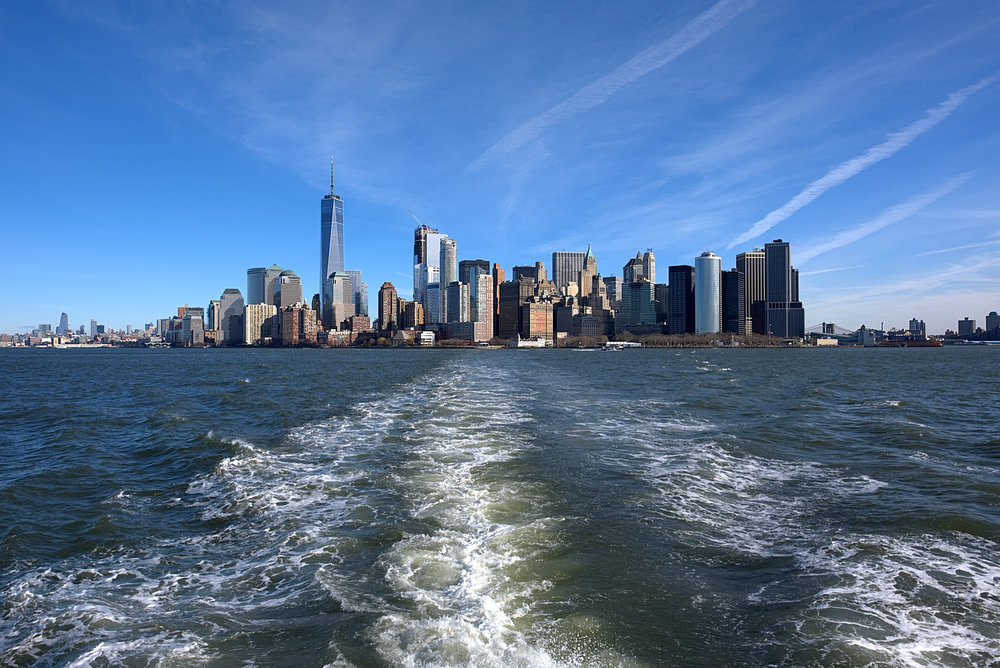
<point>888,217</point>
<point>858,164</point>
<point>691,35</point>
<point>958,248</point>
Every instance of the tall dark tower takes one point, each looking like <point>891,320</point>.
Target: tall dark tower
<point>331,232</point>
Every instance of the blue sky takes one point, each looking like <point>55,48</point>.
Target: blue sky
<point>152,152</point>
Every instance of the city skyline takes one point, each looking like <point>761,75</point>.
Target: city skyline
<point>863,136</point>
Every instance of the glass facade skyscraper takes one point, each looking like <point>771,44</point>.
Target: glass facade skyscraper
<point>331,232</point>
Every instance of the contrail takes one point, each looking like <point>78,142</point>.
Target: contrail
<point>887,218</point>
<point>877,153</point>
<point>697,30</point>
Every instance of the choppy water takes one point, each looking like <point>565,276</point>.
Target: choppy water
<point>500,508</point>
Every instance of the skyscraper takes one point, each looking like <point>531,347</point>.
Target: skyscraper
<point>466,268</point>
<point>63,328</point>
<point>753,319</point>
<point>649,266</point>
<point>287,289</point>
<point>707,293</point>
<point>732,294</point>
<point>256,282</point>
<point>359,291</point>
<point>231,305</point>
<point>680,316</point>
<point>785,315</point>
<point>587,273</point>
<point>388,315</point>
<point>331,232</point>
<point>449,273</point>
<point>566,267</point>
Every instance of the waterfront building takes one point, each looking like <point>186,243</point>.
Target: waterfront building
<point>637,307</point>
<point>193,327</point>
<point>513,294</point>
<point>411,316</point>
<point>388,314</point>
<point>340,303</point>
<point>287,289</point>
<point>481,300</point>
<point>93,328</point>
<point>566,267</point>
<point>308,325</point>
<point>231,307</point>
<point>680,310</point>
<point>992,321</point>
<point>917,328</point>
<point>457,302</point>
<point>255,285</point>
<point>753,318</point>
<point>661,293</point>
<point>258,323</point>
<point>63,328</point>
<point>213,320</point>
<point>498,277</point>
<point>707,293</point>
<point>732,294</point>
<point>432,313</point>
<point>785,315</point>
<point>331,234</point>
<point>288,325</point>
<point>359,292</point>
<point>449,273</point>
<point>427,249</point>
<point>536,318</point>
<point>966,327</point>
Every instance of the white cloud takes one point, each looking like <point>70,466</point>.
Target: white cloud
<point>858,164</point>
<point>887,218</point>
<point>696,31</point>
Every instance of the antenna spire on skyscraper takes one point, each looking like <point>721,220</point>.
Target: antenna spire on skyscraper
<point>331,175</point>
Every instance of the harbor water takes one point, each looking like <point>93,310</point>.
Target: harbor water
<point>351,507</point>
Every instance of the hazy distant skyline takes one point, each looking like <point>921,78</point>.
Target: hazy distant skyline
<point>153,153</point>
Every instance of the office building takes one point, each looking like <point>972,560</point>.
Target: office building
<point>649,266</point>
<point>93,328</point>
<point>359,292</point>
<point>466,267</point>
<point>481,304</point>
<point>256,281</point>
<point>785,315</point>
<point>499,274</point>
<point>231,306</point>
<point>917,328</point>
<point>966,327</point>
<point>457,303</point>
<point>992,321</point>
<point>193,327</point>
<point>388,314</point>
<point>613,285</point>
<point>587,273</point>
<point>661,293</point>
<point>566,267</point>
<point>513,295</point>
<point>63,328</point>
<point>753,318</point>
<point>287,289</point>
<point>536,319</point>
<point>732,295</point>
<point>331,234</point>
<point>449,272</point>
<point>213,321</point>
<point>633,269</point>
<point>340,302</point>
<point>432,313</point>
<point>680,310</point>
<point>637,307</point>
<point>707,293</point>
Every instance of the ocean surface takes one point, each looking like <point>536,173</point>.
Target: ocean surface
<point>500,507</point>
